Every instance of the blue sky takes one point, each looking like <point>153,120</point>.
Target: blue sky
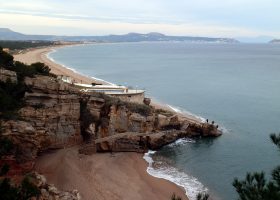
<point>219,18</point>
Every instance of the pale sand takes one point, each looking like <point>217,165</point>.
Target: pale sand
<point>122,176</point>
<point>40,55</point>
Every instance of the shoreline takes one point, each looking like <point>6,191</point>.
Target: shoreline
<point>41,55</point>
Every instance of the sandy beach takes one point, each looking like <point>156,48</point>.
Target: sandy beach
<point>40,55</point>
<point>121,176</point>
<point>99,176</point>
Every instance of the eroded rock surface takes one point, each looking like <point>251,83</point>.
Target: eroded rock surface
<point>8,75</point>
<point>57,115</point>
<point>50,192</point>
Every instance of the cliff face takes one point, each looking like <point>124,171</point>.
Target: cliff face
<point>49,118</point>
<point>57,115</point>
<point>121,119</point>
<point>53,109</point>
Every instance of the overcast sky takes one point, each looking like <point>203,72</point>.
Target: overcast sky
<point>219,18</point>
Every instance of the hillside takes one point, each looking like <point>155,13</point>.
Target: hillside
<point>7,34</point>
<point>275,41</point>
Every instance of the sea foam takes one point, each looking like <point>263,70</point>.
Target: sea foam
<point>191,185</point>
<point>181,141</point>
<point>182,111</point>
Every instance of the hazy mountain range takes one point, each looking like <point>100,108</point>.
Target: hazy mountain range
<point>7,34</point>
<point>275,41</point>
<point>258,39</point>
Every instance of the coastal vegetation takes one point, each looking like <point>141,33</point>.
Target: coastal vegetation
<point>12,92</point>
<point>20,45</point>
<point>8,189</point>
<point>23,191</point>
<point>255,186</point>
<point>11,99</point>
<point>132,106</point>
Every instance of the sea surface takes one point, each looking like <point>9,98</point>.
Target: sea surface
<point>236,85</point>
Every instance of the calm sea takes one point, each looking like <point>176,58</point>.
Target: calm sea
<point>236,85</point>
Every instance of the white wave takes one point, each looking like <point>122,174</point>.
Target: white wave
<point>182,111</point>
<point>50,52</point>
<point>191,185</point>
<point>181,141</point>
<point>223,129</point>
<point>107,82</point>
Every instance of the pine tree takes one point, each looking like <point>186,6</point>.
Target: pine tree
<point>256,187</point>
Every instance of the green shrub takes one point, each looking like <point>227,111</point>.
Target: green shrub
<point>19,45</point>
<point>11,94</point>
<point>41,68</point>
<point>28,189</point>
<point>255,186</point>
<point>25,191</point>
<point>166,113</point>
<point>6,59</point>
<point>24,70</point>
<point>141,109</point>
<point>7,190</point>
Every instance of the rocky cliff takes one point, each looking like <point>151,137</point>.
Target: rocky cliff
<point>57,115</point>
<point>6,75</point>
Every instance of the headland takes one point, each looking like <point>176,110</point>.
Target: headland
<point>58,116</point>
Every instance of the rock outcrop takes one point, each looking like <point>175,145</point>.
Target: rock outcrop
<point>50,192</point>
<point>57,115</point>
<point>49,118</point>
<point>8,75</point>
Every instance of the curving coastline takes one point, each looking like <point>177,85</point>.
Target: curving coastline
<point>139,179</point>
<point>41,55</point>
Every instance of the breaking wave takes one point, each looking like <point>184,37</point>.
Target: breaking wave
<point>161,169</point>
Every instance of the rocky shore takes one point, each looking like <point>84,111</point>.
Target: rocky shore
<point>56,115</point>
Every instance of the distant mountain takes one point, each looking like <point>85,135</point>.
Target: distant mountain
<point>259,39</point>
<point>275,41</point>
<point>7,34</point>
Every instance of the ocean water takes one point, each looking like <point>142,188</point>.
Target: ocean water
<point>236,85</point>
